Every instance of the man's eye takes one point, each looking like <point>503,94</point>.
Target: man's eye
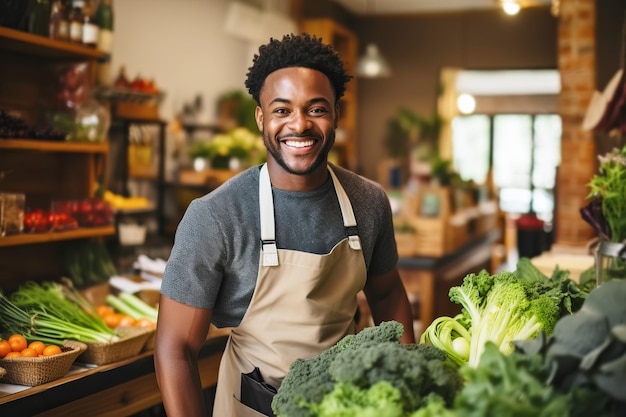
<point>281,111</point>
<point>318,110</point>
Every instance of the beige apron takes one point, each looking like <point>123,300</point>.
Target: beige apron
<point>303,303</point>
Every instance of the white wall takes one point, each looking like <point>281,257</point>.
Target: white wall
<point>183,46</point>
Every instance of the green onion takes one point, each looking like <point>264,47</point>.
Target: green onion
<point>133,306</point>
<point>41,311</point>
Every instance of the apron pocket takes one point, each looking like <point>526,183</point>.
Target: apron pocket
<point>256,393</point>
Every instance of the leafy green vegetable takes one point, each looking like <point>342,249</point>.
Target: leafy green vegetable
<point>347,400</point>
<point>587,351</point>
<point>559,287</point>
<point>501,308</point>
<point>41,311</point>
<point>360,362</point>
<point>609,186</point>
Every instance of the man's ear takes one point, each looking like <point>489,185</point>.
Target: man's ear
<point>337,115</point>
<point>258,115</point>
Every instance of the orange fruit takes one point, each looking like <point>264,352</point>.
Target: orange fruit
<point>5,348</point>
<point>28,353</point>
<point>103,310</point>
<point>127,321</point>
<point>12,354</point>
<point>37,346</point>
<point>17,342</point>
<point>51,350</point>
<point>112,319</point>
<point>145,322</point>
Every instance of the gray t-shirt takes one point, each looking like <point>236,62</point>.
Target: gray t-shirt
<point>215,258</point>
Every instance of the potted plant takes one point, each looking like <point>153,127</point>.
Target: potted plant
<point>233,150</point>
<point>606,213</point>
<point>410,135</point>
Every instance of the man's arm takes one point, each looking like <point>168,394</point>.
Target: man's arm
<point>387,299</point>
<point>181,332</point>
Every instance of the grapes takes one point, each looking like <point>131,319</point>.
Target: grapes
<point>15,127</point>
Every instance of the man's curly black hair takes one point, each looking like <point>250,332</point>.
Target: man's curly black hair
<point>296,51</point>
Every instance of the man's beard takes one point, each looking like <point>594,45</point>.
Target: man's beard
<point>274,150</point>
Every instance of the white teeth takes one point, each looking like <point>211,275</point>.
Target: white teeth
<point>299,144</point>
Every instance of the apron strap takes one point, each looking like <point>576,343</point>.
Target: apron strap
<point>349,221</point>
<point>269,249</point>
<point>268,237</point>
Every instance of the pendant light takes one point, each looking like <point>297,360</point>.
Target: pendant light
<point>372,64</point>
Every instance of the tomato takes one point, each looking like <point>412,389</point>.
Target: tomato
<point>17,342</point>
<point>5,348</point>
<point>12,355</point>
<point>53,221</point>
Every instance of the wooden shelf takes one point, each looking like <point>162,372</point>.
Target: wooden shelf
<point>54,146</point>
<point>32,238</point>
<point>25,43</point>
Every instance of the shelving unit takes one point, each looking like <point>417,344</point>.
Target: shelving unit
<point>121,130</point>
<point>42,170</point>
<point>346,44</point>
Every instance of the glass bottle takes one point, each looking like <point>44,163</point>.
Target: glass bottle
<point>104,19</point>
<point>90,28</point>
<point>76,21</point>
<point>39,18</point>
<point>58,24</point>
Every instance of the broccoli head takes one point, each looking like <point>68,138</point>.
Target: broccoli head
<point>308,380</point>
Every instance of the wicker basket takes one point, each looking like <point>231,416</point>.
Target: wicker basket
<point>37,371</point>
<point>2,372</point>
<point>131,343</point>
<point>149,345</point>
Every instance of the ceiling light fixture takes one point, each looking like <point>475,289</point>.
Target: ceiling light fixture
<point>466,103</point>
<point>372,64</point>
<point>510,7</point>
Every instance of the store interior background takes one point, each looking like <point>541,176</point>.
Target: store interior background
<point>188,48</point>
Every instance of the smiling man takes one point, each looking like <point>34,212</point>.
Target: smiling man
<point>279,252</point>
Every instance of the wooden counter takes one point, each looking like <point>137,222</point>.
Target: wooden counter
<point>119,389</point>
<point>428,280</point>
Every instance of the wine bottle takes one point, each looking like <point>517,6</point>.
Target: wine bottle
<point>104,19</point>
<point>90,28</point>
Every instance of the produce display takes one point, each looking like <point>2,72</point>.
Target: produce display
<point>88,263</point>
<point>577,370</point>
<point>126,309</point>
<point>15,127</point>
<point>17,346</point>
<point>120,202</point>
<point>502,308</point>
<point>52,312</point>
<point>367,374</point>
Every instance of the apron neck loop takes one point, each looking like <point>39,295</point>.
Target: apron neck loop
<point>269,248</point>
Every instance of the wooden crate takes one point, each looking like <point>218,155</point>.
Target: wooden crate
<point>431,236</point>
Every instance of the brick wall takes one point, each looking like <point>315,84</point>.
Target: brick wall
<point>577,66</point>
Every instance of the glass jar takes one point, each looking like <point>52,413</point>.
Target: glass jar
<point>91,123</point>
<point>610,261</point>
<point>11,213</point>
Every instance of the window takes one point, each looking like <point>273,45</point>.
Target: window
<point>526,153</point>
